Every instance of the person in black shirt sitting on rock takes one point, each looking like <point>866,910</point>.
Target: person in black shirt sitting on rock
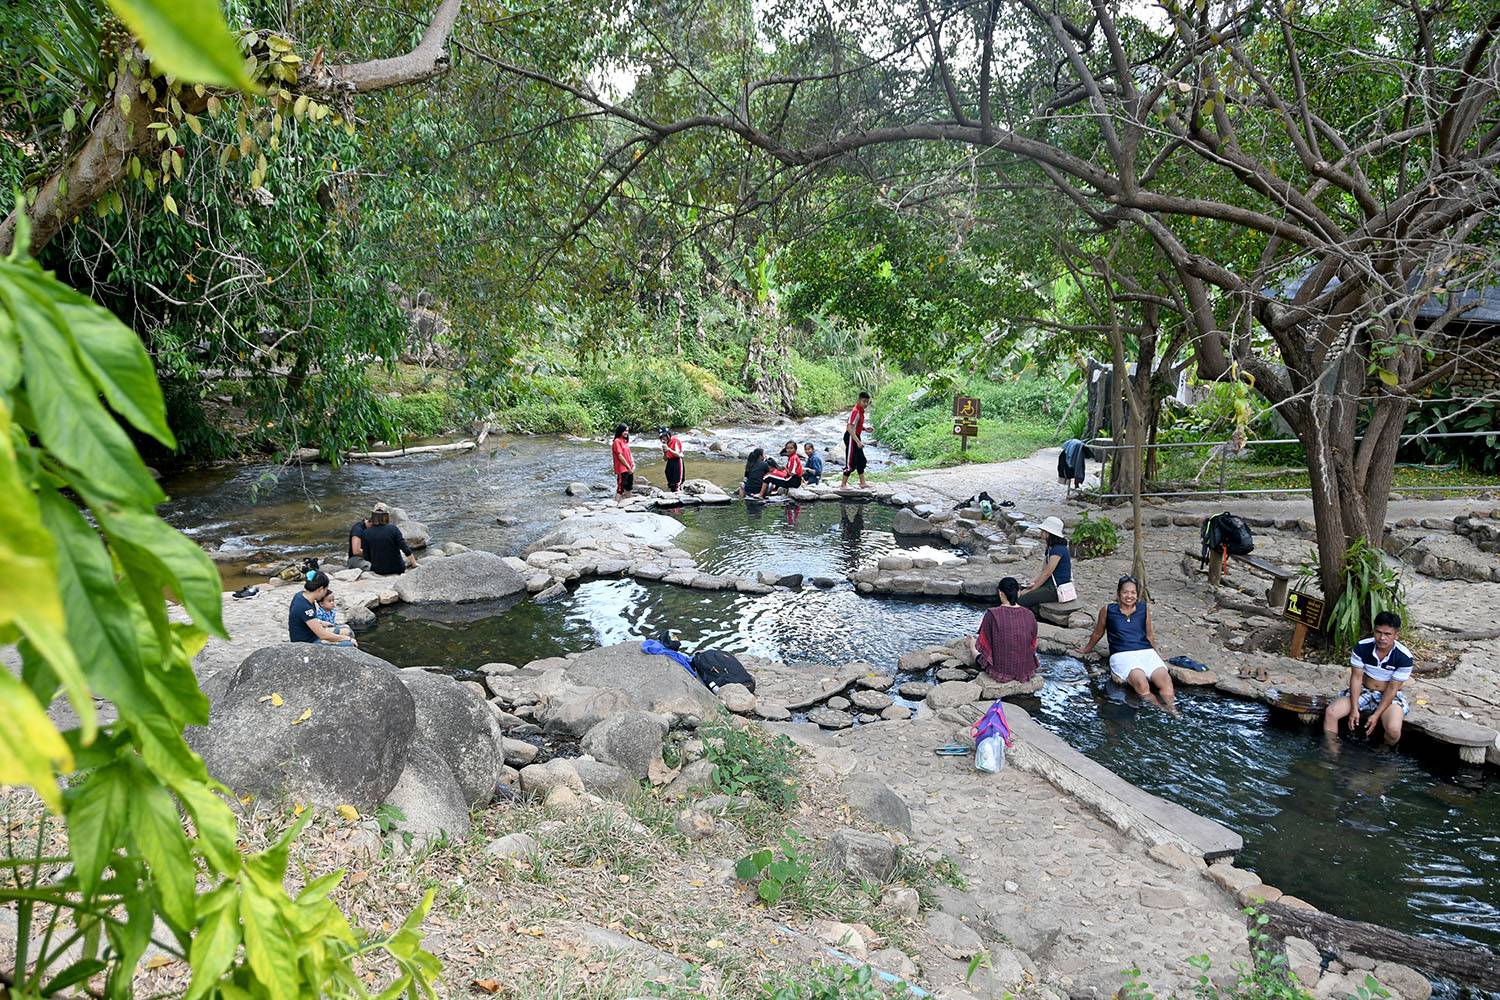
<point>357,558</point>
<point>384,545</point>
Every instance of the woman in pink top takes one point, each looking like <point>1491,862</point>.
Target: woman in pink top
<point>624,463</point>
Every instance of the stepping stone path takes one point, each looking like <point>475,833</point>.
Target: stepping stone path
<point>954,674</point>
<point>870,701</point>
<point>916,690</point>
<point>1060,883</point>
<point>830,718</point>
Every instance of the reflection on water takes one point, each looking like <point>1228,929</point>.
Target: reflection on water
<point>820,539</point>
<point>1366,833</point>
<point>812,626</point>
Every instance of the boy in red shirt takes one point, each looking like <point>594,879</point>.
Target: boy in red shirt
<point>854,443</point>
<point>624,464</point>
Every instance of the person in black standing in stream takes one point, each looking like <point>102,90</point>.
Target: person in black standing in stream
<point>384,545</point>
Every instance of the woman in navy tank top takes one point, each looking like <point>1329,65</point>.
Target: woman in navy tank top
<point>1133,659</point>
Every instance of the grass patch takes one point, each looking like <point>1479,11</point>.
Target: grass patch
<point>1178,468</point>
<point>1020,417</point>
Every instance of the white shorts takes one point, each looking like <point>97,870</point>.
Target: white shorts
<point>1121,664</point>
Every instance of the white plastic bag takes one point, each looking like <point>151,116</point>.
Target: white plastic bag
<point>989,754</point>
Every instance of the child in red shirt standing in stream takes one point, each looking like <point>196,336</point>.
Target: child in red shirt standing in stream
<point>854,442</point>
<point>624,463</point>
<point>671,449</point>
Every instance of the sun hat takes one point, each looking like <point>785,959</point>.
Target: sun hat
<point>1053,526</point>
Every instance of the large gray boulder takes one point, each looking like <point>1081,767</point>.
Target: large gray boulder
<point>909,523</point>
<point>656,684</point>
<point>468,576</point>
<point>877,802</point>
<point>351,747</point>
<point>431,802</point>
<point>459,728</point>
<point>573,710</point>
<point>629,740</point>
<point>415,532</point>
<point>639,527</point>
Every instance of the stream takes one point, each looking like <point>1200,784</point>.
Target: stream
<point>1368,834</point>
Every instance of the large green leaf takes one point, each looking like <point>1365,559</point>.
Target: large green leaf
<point>68,417</point>
<point>267,947</point>
<point>96,818</point>
<point>115,359</point>
<point>186,38</point>
<point>30,745</point>
<point>157,557</point>
<point>156,830</point>
<point>217,940</point>
<point>29,598</point>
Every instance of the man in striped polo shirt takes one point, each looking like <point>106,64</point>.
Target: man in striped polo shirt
<point>1378,667</point>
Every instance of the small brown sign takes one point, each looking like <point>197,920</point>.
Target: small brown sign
<point>966,408</point>
<point>963,429</point>
<point>1304,609</point>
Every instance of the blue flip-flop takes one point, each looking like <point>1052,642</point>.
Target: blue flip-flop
<point>1187,663</point>
<point>953,750</point>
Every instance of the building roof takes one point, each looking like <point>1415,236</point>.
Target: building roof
<point>1481,305</point>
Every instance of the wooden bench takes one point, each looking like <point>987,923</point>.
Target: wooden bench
<point>1281,578</point>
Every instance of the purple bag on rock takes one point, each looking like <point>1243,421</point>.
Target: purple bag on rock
<point>991,736</point>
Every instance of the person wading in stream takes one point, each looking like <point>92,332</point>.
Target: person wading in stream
<point>619,450</point>
<point>1133,659</point>
<point>1005,647</point>
<point>1378,666</point>
<point>671,450</point>
<point>854,442</point>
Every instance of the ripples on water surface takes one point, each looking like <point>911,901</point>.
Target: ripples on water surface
<point>1368,834</point>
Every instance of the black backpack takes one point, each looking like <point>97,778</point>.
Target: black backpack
<point>716,668</point>
<point>1229,533</point>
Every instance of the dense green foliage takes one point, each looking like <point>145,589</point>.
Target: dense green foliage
<point>1370,586</point>
<point>1094,537</point>
<point>755,761</point>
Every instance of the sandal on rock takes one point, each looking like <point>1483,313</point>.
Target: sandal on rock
<point>952,750</point>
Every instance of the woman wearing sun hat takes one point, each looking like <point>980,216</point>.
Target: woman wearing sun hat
<point>1054,584</point>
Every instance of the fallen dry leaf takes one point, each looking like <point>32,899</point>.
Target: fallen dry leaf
<point>487,985</point>
<point>348,812</point>
<point>157,961</point>
<point>306,714</point>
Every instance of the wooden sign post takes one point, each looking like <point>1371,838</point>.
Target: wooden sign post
<point>965,419</point>
<point>1307,611</point>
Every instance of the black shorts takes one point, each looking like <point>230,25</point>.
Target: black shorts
<point>674,473</point>
<point>624,482</point>
<point>785,482</point>
<point>854,455</point>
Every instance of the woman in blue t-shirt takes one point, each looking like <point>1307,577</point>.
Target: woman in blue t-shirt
<point>1133,659</point>
<point>1057,571</point>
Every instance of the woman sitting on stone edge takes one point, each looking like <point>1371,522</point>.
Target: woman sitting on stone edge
<point>1133,659</point>
<point>1057,571</point>
<point>1006,645</point>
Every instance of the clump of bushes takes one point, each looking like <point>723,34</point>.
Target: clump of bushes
<point>1094,537</point>
<point>417,415</point>
<point>754,761</point>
